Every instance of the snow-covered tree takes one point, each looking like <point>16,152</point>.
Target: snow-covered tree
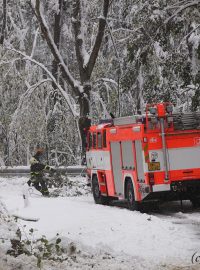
<point>163,60</point>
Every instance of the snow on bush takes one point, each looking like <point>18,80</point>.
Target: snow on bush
<point>71,186</point>
<point>19,250</point>
<point>7,231</point>
<point>7,226</point>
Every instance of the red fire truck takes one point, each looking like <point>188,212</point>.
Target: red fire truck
<point>145,158</point>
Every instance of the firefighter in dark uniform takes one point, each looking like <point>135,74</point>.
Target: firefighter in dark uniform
<point>37,172</point>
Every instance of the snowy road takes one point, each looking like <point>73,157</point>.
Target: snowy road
<point>168,238</point>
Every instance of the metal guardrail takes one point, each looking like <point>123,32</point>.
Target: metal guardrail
<point>70,170</point>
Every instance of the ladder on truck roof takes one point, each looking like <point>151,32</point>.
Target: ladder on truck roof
<point>181,121</point>
<point>186,121</point>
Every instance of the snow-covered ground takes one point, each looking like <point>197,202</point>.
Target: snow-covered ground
<point>105,237</point>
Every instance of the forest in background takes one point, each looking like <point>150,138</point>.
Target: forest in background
<point>62,61</point>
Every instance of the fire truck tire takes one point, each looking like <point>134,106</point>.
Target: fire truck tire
<point>130,195</point>
<point>98,198</point>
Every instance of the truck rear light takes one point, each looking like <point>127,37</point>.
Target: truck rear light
<point>103,178</point>
<point>151,179</point>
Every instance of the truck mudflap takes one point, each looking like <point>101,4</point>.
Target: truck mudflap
<point>184,190</point>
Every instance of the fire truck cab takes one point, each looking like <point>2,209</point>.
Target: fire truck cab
<point>145,158</point>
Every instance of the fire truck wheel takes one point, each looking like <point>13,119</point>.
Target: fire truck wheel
<point>98,198</point>
<point>132,204</point>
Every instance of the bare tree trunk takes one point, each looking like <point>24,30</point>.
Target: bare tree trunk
<point>85,69</point>
<point>84,122</point>
<point>3,30</point>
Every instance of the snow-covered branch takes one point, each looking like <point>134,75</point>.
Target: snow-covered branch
<point>81,53</point>
<point>108,81</point>
<point>176,5</point>
<point>9,61</point>
<point>86,61</point>
<point>62,91</point>
<point>99,38</point>
<point>29,91</point>
<point>59,59</point>
<point>113,41</point>
<point>34,43</point>
<point>185,37</point>
<point>183,7</point>
<point>121,29</point>
<point>105,111</point>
